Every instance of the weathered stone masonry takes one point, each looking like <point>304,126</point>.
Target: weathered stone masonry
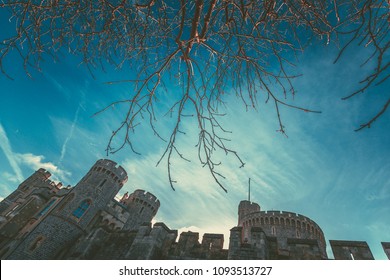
<point>45,220</point>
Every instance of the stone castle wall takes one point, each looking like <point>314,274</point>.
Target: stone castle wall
<point>282,225</point>
<point>43,220</point>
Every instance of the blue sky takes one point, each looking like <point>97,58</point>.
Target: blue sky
<point>323,169</point>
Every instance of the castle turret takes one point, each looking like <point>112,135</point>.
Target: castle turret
<point>142,206</point>
<point>246,207</point>
<point>289,230</point>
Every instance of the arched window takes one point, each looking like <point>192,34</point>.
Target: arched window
<point>46,209</point>
<point>81,209</point>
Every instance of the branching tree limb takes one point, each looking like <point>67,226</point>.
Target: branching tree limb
<point>210,47</point>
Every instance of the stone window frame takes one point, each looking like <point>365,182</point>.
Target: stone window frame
<point>47,207</point>
<point>82,208</point>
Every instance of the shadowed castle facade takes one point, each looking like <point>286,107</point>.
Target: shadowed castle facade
<point>44,220</point>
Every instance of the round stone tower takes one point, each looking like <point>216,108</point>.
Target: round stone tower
<point>142,206</point>
<point>93,192</point>
<point>244,209</point>
<point>284,226</point>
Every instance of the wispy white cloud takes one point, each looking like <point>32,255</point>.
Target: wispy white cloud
<point>6,189</point>
<point>68,90</point>
<point>35,162</point>
<point>10,177</point>
<point>303,173</point>
<point>197,205</point>
<point>6,147</point>
<point>299,173</point>
<point>189,228</point>
<point>70,135</point>
<point>82,149</point>
<point>31,161</point>
<point>59,86</point>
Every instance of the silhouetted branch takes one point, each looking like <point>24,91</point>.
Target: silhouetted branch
<point>210,48</point>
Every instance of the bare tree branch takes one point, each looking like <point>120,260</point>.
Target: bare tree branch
<point>210,48</point>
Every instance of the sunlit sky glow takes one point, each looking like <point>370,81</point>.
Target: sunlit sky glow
<point>323,169</point>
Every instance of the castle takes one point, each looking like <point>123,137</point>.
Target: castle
<point>44,220</point>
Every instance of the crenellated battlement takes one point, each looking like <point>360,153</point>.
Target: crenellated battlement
<point>39,179</point>
<point>248,205</point>
<point>282,218</point>
<point>245,208</point>
<point>46,174</point>
<point>112,169</point>
<point>143,197</point>
<point>146,195</point>
<point>89,214</point>
<point>280,214</point>
<point>283,225</point>
<point>142,207</point>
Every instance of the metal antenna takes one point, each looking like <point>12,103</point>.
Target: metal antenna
<point>249,192</point>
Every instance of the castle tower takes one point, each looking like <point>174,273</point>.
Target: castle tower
<point>245,208</point>
<point>142,206</point>
<point>293,233</point>
<point>70,218</point>
<point>98,187</point>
